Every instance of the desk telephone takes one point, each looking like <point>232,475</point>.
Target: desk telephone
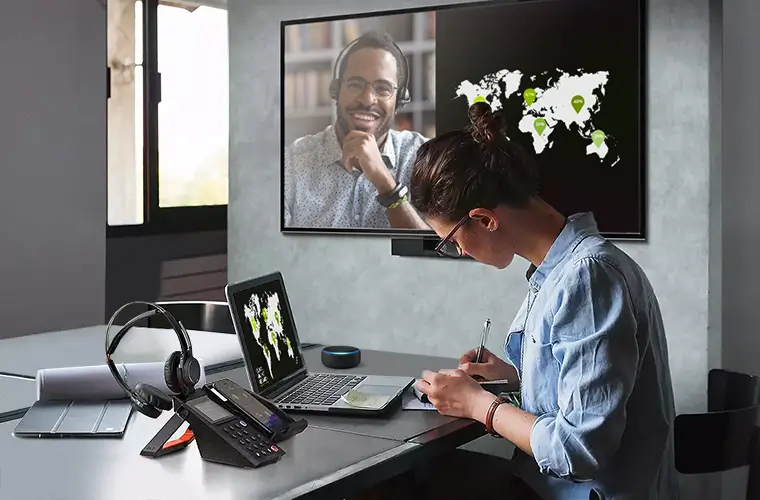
<point>231,425</point>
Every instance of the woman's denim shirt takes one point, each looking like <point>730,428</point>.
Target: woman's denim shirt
<point>589,345</point>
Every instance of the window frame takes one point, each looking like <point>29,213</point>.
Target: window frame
<point>160,220</point>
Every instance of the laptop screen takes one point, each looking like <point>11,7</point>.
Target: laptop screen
<point>269,332</point>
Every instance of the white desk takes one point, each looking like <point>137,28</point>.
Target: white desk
<point>16,396</point>
<point>86,347</point>
<point>327,461</point>
<point>98,469</point>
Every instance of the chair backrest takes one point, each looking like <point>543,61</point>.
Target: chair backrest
<point>726,437</point>
<point>728,390</point>
<point>206,316</point>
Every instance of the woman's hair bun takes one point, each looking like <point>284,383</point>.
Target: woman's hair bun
<point>485,124</point>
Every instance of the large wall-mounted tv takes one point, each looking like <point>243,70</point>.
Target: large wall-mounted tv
<point>368,89</point>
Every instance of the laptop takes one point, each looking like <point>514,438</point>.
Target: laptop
<point>274,362</point>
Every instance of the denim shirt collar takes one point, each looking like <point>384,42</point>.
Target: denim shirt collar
<point>577,227</point>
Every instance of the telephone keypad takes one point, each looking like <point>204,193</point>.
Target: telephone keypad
<point>252,441</point>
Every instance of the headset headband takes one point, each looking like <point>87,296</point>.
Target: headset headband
<point>181,370</point>
<point>182,335</point>
<point>179,330</point>
<point>343,53</point>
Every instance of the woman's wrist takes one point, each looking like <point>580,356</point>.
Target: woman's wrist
<point>480,406</point>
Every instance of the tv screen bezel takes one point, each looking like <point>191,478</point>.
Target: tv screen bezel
<point>641,235</point>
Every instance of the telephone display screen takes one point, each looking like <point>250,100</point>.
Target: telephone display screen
<point>212,411</point>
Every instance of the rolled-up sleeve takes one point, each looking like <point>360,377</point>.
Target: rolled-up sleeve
<point>288,188</point>
<point>594,340</point>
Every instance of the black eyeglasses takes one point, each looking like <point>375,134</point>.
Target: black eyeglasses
<point>382,90</point>
<point>449,248</point>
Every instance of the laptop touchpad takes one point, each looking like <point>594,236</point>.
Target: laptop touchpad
<point>379,390</point>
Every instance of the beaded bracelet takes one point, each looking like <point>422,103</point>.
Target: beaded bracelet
<point>397,203</point>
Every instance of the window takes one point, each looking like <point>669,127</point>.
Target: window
<point>193,113</point>
<point>168,116</point>
<point>125,114</point>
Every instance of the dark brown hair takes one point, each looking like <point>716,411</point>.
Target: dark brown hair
<point>473,167</point>
<point>375,40</point>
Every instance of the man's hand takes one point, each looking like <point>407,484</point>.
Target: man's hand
<point>452,392</point>
<point>360,150</point>
<point>491,368</point>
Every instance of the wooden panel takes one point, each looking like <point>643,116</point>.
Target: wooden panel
<point>199,278</point>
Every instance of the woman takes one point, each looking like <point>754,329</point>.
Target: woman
<point>595,412</point>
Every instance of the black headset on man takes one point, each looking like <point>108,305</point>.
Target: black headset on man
<point>402,97</point>
<point>181,370</point>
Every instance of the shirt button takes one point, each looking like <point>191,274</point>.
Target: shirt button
<point>356,217</point>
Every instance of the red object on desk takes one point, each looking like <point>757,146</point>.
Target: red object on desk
<point>182,441</point>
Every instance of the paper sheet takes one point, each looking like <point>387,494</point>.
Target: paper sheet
<point>97,383</point>
<point>363,400</point>
<point>410,402</point>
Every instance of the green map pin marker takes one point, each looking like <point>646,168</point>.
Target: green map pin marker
<point>530,96</point>
<point>598,137</point>
<point>479,98</point>
<point>577,102</point>
<point>539,125</point>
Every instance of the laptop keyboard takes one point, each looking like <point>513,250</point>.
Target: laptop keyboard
<point>320,389</point>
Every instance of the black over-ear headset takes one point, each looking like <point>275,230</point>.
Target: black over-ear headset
<point>402,96</point>
<point>181,370</point>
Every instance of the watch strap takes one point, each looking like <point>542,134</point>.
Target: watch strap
<point>397,194</point>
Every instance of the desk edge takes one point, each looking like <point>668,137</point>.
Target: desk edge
<point>331,479</point>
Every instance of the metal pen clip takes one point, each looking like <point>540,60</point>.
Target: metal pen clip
<point>483,341</point>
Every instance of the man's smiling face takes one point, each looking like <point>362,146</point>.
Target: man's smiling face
<point>369,72</point>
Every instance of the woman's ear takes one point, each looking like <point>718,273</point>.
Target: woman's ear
<point>485,218</point>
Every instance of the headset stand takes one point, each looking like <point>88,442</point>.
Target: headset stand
<point>160,445</point>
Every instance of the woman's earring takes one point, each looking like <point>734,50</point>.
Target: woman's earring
<point>492,229</point>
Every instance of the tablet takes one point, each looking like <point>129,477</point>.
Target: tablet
<point>75,419</point>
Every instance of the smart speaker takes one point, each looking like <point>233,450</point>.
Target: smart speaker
<point>341,356</point>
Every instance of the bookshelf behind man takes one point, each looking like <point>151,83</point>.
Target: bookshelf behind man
<point>310,54</point>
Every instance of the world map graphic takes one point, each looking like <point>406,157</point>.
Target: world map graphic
<point>549,100</point>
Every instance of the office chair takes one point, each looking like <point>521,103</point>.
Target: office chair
<point>726,437</point>
<point>204,316</point>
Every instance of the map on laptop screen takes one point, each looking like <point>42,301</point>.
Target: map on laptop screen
<point>274,354</point>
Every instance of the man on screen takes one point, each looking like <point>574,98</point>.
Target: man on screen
<point>355,172</point>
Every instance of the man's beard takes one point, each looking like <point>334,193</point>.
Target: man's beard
<point>345,124</point>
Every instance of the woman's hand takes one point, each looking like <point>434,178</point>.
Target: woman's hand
<point>452,392</point>
<point>492,367</point>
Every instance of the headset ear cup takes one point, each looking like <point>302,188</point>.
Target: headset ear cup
<point>171,373</point>
<point>404,99</point>
<point>190,373</point>
<point>153,397</point>
<point>334,89</point>
<point>145,408</point>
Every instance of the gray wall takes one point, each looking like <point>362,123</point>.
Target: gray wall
<point>53,163</point>
<point>349,289</point>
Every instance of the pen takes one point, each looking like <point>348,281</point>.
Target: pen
<point>483,341</point>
